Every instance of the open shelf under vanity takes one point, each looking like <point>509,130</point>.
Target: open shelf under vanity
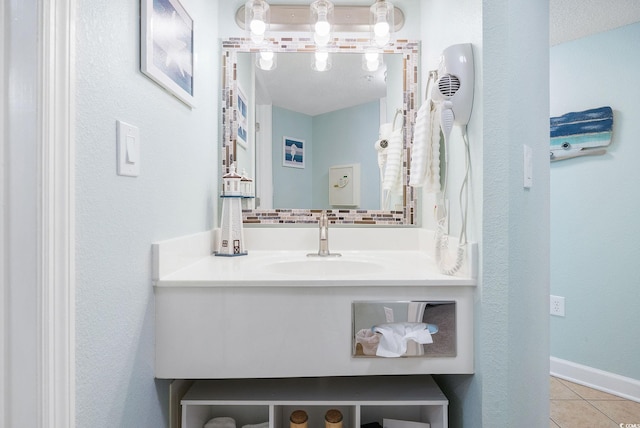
<point>361,400</point>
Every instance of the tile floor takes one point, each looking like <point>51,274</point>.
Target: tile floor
<point>574,405</point>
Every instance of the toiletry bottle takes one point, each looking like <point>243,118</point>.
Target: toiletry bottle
<point>333,419</point>
<point>298,419</point>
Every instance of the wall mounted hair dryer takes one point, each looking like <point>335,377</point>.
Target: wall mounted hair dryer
<point>453,96</point>
<point>454,87</point>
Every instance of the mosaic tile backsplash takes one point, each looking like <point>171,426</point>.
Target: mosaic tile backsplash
<point>299,216</point>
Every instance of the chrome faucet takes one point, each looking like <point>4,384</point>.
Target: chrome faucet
<point>323,246</point>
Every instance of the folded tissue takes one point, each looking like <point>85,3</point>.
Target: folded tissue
<point>394,337</point>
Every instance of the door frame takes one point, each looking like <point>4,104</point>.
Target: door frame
<point>53,260</point>
<point>57,247</point>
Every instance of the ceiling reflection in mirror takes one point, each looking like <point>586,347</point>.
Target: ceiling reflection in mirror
<point>334,120</point>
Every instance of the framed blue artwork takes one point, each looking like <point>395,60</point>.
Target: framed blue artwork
<point>293,152</point>
<point>167,47</point>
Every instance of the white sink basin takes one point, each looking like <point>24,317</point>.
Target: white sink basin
<point>324,266</point>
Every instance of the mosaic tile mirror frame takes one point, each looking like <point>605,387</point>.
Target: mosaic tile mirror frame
<point>410,51</point>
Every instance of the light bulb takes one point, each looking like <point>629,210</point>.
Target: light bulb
<point>257,18</point>
<point>322,27</point>
<point>321,65</point>
<point>257,27</point>
<point>321,62</point>
<point>381,28</point>
<point>371,60</point>
<point>266,64</point>
<point>321,16</point>
<point>266,60</point>
<point>371,56</point>
<point>382,18</point>
<point>322,56</point>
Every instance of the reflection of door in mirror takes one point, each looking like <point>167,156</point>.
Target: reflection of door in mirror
<point>244,114</point>
<point>338,116</point>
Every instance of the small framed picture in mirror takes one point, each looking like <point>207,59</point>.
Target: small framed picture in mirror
<point>242,113</point>
<point>293,152</point>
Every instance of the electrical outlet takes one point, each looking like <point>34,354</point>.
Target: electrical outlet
<point>556,306</point>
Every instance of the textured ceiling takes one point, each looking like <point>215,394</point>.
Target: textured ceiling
<point>573,19</point>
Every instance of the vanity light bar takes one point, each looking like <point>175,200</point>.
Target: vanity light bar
<point>296,18</point>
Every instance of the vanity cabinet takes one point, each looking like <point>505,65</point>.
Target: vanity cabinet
<point>273,331</point>
<point>361,400</point>
<point>296,330</point>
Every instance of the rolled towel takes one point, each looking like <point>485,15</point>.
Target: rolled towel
<point>432,175</point>
<point>381,145</point>
<point>221,422</point>
<point>425,155</point>
<point>420,147</point>
<point>394,162</point>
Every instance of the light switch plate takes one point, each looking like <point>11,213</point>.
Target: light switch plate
<point>128,149</point>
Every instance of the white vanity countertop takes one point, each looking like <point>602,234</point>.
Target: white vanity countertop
<point>289,268</point>
<point>387,261</point>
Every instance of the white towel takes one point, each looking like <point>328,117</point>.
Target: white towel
<point>221,422</point>
<point>395,336</point>
<point>392,181</point>
<point>382,145</point>
<point>425,153</point>
<point>419,147</point>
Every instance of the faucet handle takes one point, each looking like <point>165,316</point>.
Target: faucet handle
<point>323,223</point>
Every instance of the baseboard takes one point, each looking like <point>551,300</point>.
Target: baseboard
<point>600,380</point>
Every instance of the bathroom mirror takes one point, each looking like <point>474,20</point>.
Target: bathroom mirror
<point>390,329</point>
<point>336,125</point>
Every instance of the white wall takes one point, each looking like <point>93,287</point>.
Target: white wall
<point>510,223</point>
<point>594,222</point>
<point>358,126</point>
<point>117,218</point>
<point>291,186</point>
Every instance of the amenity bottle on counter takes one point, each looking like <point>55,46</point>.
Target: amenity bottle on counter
<point>333,419</point>
<point>298,419</point>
